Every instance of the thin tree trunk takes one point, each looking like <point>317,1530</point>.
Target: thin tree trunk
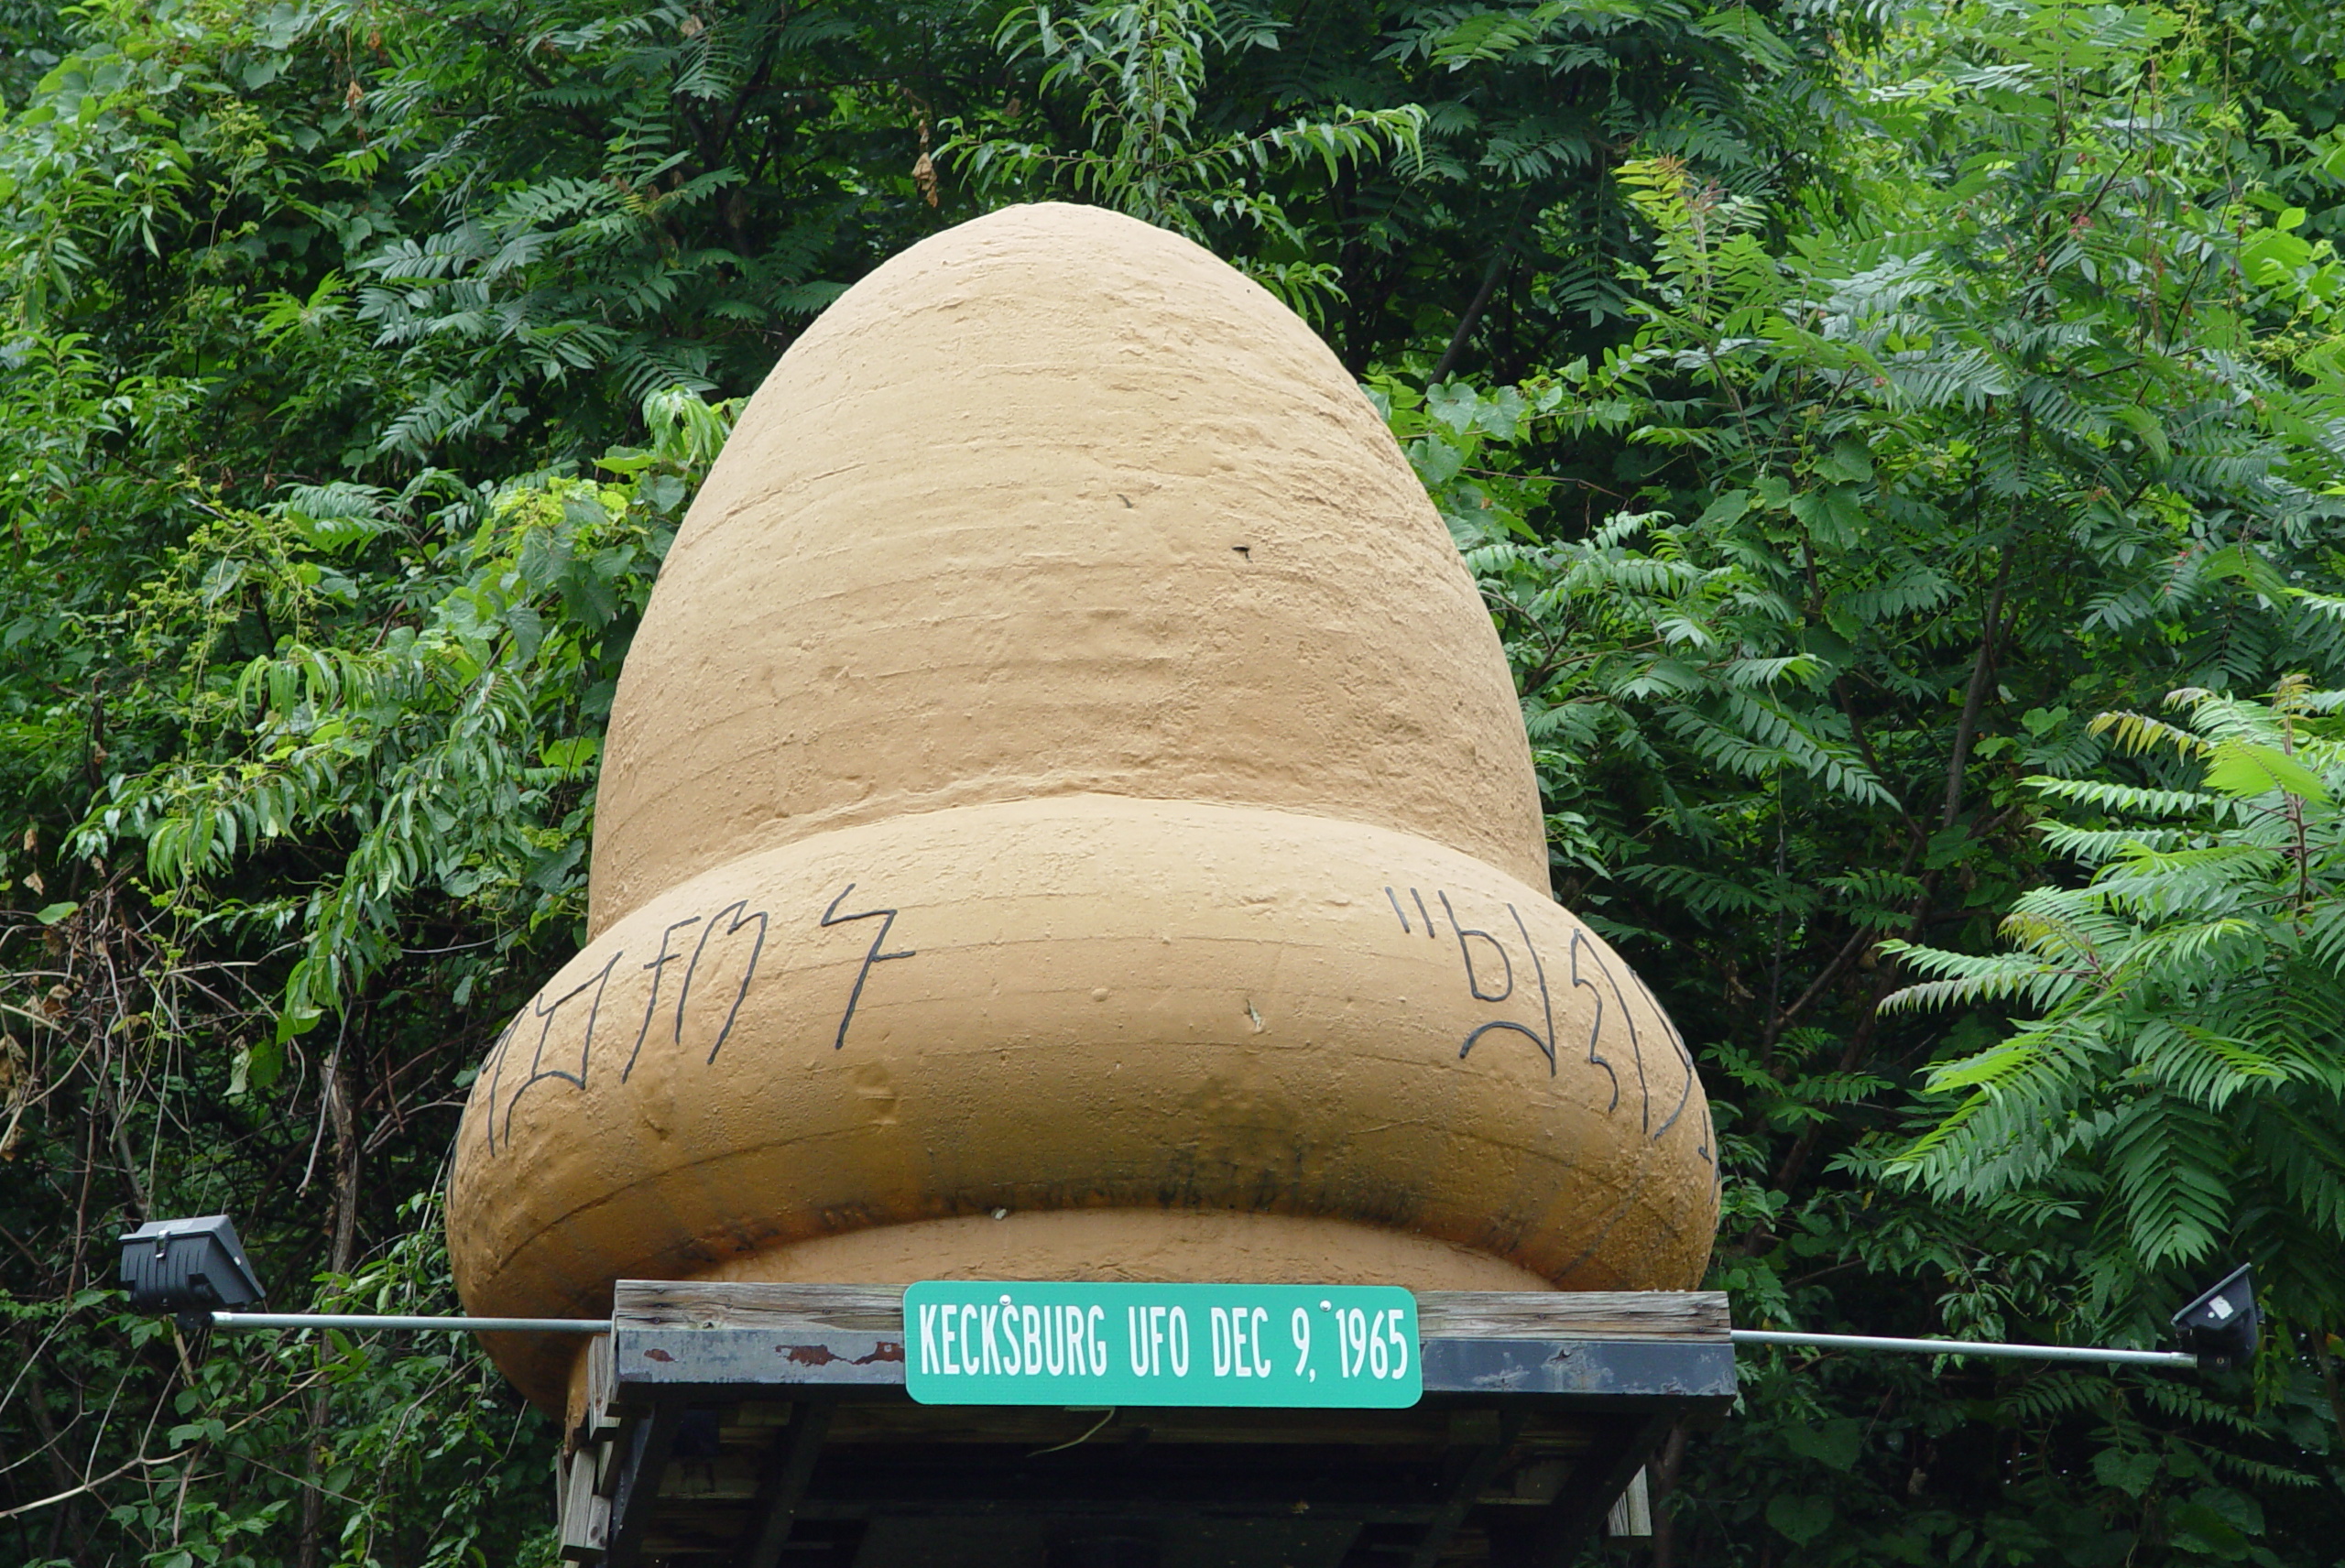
<point>1974,699</point>
<point>1983,664</point>
<point>2317,1337</point>
<point>1662,1480</point>
<point>346,1153</point>
<point>1492,273</point>
<point>341,1107</point>
<point>65,1524</point>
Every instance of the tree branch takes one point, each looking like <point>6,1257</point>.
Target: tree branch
<point>1481,300</point>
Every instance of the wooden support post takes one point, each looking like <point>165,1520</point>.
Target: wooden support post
<point>1631,1514</point>
<point>782,1486</point>
<point>649,1440</point>
<point>1579,1511</point>
<point>585,1514</point>
<point>1473,1468</point>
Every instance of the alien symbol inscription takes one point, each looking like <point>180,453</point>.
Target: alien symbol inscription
<point>887,919</point>
<point>698,949</point>
<point>1491,977</point>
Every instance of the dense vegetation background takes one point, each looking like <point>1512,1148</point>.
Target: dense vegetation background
<point>1904,447</point>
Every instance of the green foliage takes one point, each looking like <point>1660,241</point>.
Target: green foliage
<point>355,364</point>
<point>436,667</point>
<point>1811,585</point>
<point>1139,67</point>
<point>2179,1080</point>
<point>1837,407</point>
<point>452,755</point>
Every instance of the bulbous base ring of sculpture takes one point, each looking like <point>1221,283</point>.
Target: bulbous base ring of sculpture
<point>1105,1016</point>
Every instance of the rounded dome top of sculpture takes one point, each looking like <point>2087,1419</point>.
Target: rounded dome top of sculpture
<point>1057,503</point>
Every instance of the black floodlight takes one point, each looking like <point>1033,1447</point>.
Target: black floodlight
<point>2220,1327</point>
<point>186,1267</point>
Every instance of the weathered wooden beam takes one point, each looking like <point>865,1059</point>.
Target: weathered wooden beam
<point>1585,1385</point>
<point>688,1303</point>
<point>1103,1507</point>
<point>703,1339</point>
<point>585,1515</point>
<point>1425,1427</point>
<point>878,1310</point>
<point>715,1363</point>
<point>1573,1314</point>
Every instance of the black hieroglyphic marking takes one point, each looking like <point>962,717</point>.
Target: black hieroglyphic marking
<point>1635,1038</point>
<point>1473,980</point>
<point>658,967</point>
<point>887,918</point>
<point>1636,1043</point>
<point>742,915</point>
<point>496,1073</point>
<point>539,1072</point>
<point>1546,1042</point>
<point>1510,1027</point>
<point>1707,1145</point>
<point>1423,913</point>
<point>1684,1057</point>
<point>1595,1029</point>
<point>1547,1001</point>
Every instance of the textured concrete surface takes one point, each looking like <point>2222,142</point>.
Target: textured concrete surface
<point>1066,815</point>
<point>1057,503</point>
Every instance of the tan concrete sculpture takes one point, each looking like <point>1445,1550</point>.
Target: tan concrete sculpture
<point>1066,815</point>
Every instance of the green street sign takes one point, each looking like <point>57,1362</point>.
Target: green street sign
<point>971,1342</point>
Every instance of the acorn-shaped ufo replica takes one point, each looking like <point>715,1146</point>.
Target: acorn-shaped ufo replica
<point>1066,815</point>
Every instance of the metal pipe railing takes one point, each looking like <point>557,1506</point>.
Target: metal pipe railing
<point>1967,1347</point>
<point>458,1325</point>
<point>2100,1353</point>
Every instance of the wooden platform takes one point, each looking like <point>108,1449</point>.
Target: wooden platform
<point>755,1426</point>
